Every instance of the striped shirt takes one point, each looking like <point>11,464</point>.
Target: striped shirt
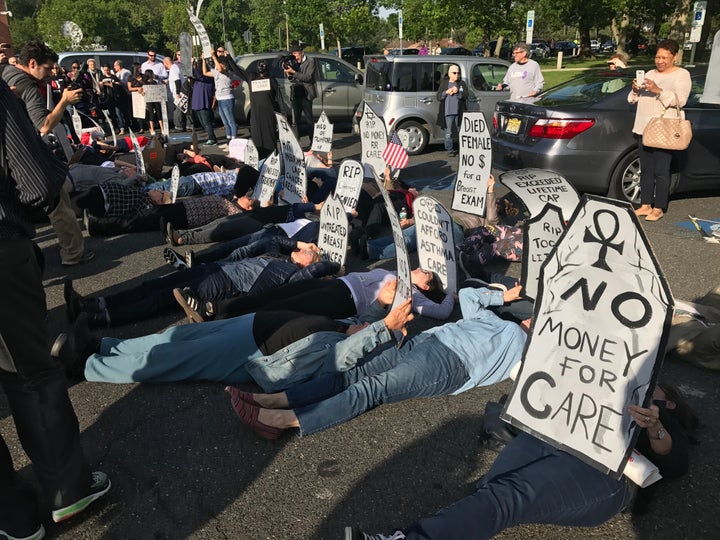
<point>29,173</point>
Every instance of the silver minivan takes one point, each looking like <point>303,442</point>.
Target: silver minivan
<point>66,58</point>
<point>403,91</point>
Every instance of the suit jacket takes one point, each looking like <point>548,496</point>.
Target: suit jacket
<point>305,75</point>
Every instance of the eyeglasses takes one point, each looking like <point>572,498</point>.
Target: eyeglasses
<point>151,56</point>
<point>454,72</point>
<point>76,67</point>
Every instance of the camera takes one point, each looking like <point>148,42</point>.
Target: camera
<point>287,61</point>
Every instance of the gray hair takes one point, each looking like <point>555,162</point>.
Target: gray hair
<point>522,46</point>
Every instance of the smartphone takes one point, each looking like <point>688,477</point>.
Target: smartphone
<point>640,77</point>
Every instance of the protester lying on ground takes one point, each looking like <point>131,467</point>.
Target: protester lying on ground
<point>695,332</point>
<point>346,296</point>
<point>86,176</point>
<point>191,161</point>
<point>255,268</point>
<point>478,350</point>
<point>533,482</point>
<point>273,348</point>
<point>297,227</point>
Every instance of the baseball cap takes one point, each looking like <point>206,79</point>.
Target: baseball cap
<point>617,62</point>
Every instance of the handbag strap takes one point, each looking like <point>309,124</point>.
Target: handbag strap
<point>676,107</point>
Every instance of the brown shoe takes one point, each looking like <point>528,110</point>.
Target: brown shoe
<point>248,415</point>
<point>644,210</point>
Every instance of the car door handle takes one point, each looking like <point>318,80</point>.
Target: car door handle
<point>329,91</point>
<point>473,99</point>
<point>427,100</point>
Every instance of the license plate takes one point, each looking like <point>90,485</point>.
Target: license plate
<point>513,126</point>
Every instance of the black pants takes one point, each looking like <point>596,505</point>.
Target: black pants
<point>302,105</point>
<point>147,220</point>
<point>654,176</point>
<point>36,390</point>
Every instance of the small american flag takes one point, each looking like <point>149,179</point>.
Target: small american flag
<point>394,154</point>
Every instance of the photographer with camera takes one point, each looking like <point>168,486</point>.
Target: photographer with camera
<point>30,79</point>
<point>304,90</point>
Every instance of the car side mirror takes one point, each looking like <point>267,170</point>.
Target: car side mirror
<point>359,78</point>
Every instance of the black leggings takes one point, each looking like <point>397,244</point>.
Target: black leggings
<point>329,297</point>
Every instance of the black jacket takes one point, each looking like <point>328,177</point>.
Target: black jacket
<point>462,98</point>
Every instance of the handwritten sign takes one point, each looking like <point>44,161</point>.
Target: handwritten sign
<point>322,135</point>
<point>333,237</point>
<point>251,157</point>
<point>435,241</point>
<point>269,174</point>
<point>373,138</point>
<point>138,105</point>
<point>537,187</point>
<point>76,121</point>
<point>154,93</point>
<point>540,235</point>
<point>201,32</point>
<point>470,193</point>
<point>139,159</point>
<point>598,336</point>
<point>349,184</point>
<point>293,159</point>
<point>260,85</point>
<point>174,183</point>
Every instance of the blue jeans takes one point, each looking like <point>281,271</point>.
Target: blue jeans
<point>384,247</point>
<point>226,108</point>
<point>530,482</point>
<point>423,367</point>
<point>206,119</point>
<point>186,186</point>
<point>451,121</point>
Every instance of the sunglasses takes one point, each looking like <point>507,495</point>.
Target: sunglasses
<point>454,72</point>
<point>151,56</point>
<point>76,67</point>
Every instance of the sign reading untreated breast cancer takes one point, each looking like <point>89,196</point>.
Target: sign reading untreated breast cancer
<point>333,237</point>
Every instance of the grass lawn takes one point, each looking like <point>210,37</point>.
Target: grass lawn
<point>574,66</point>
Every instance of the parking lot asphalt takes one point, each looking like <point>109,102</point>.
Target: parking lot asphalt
<point>182,466</point>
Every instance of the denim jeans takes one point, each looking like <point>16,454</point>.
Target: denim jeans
<point>451,121</point>
<point>226,108</point>
<point>423,367</point>
<point>530,482</point>
<point>205,117</point>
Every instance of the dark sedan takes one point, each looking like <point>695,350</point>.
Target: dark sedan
<point>582,130</point>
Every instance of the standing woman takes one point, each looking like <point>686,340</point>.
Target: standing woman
<point>223,92</point>
<point>135,84</point>
<point>666,86</point>
<point>203,96</point>
<point>451,98</point>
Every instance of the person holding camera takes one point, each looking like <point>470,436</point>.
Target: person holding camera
<point>304,89</point>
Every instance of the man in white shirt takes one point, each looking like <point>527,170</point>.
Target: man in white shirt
<point>158,68</point>
<point>175,82</point>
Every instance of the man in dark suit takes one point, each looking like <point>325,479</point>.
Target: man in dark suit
<point>304,90</point>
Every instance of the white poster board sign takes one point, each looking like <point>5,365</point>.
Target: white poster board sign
<point>293,160</point>
<point>139,159</point>
<point>269,174</point>
<point>435,241</point>
<point>333,236</point>
<point>403,291</point>
<point>154,93</point>
<point>76,121</point>
<point>470,192</point>
<point>138,105</point>
<point>349,184</point>
<point>598,337</point>
<point>322,135</point>
<point>373,138</point>
<point>252,157</point>
<point>538,187</point>
<point>540,235</point>
<point>260,85</point>
<point>174,183</point>
<point>202,34</point>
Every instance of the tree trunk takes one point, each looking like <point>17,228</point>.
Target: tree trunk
<point>679,24</point>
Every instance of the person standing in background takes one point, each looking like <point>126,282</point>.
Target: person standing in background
<point>451,96</point>
<point>304,89</point>
<point>523,77</point>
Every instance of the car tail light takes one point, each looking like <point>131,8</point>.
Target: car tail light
<point>496,123</point>
<point>548,128</point>
<point>391,122</point>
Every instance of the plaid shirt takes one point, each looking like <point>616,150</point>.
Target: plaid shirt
<point>121,199</point>
<point>216,183</point>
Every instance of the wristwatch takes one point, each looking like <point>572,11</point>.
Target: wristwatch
<point>660,435</point>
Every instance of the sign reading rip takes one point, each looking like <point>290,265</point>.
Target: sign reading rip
<point>373,138</point>
<point>333,237</point>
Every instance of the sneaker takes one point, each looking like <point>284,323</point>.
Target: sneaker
<point>210,142</point>
<point>37,535</point>
<point>73,349</point>
<point>194,308</point>
<point>353,533</point>
<point>171,237</point>
<point>100,486</point>
<point>189,255</point>
<point>87,255</point>
<point>174,259</point>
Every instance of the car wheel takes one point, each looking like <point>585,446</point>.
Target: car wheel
<point>416,136</point>
<point>625,180</point>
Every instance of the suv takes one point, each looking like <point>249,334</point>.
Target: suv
<point>66,58</point>
<point>353,55</point>
<point>339,85</point>
<point>403,91</point>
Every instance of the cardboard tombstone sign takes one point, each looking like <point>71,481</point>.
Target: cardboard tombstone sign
<point>333,236</point>
<point>174,183</point>
<point>293,159</point>
<point>139,159</point>
<point>76,121</point>
<point>373,138</point>
<point>540,235</point>
<point>322,135</point>
<point>599,331</point>
<point>252,157</point>
<point>349,184</point>
<point>185,56</point>
<point>112,128</point>
<point>154,156</point>
<point>435,240</point>
<point>201,32</point>
<point>268,179</point>
<point>403,291</point>
<point>470,192</point>
<point>538,187</point>
<point>157,93</point>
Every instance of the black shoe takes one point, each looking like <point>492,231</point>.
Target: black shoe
<point>189,256</point>
<point>100,319</point>
<point>171,237</point>
<point>174,259</point>
<point>99,487</point>
<point>353,533</point>
<point>73,301</point>
<point>195,309</point>
<point>74,348</point>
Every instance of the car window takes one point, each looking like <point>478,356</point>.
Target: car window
<point>331,70</point>
<point>586,89</point>
<point>696,93</point>
<point>377,75</point>
<point>487,76</point>
<point>404,78</point>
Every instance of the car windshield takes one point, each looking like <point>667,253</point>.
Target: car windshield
<point>586,89</point>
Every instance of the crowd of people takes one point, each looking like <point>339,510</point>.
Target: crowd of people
<point>263,308</point>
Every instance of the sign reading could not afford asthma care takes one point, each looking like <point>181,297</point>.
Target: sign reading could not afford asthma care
<point>349,184</point>
<point>470,193</point>
<point>373,138</point>
<point>435,240</point>
<point>598,336</point>
<point>333,237</point>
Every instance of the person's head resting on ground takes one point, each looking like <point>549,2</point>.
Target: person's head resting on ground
<point>520,52</point>
<point>428,283</point>
<point>304,257</point>
<point>37,59</point>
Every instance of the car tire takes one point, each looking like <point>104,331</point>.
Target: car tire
<point>417,137</point>
<point>625,179</point>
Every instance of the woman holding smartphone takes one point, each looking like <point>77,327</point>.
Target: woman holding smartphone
<point>665,86</point>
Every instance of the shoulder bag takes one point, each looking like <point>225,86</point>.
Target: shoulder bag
<point>668,133</point>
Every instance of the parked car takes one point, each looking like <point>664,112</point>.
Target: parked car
<point>608,46</point>
<point>505,49</point>
<point>582,130</point>
<point>340,87</point>
<point>354,55</point>
<point>539,50</point>
<point>594,45</point>
<point>456,51</point>
<point>405,52</point>
<point>567,47</point>
<point>403,91</point>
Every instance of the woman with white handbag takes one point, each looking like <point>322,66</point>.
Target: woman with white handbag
<point>660,126</point>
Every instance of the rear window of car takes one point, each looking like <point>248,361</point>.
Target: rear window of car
<point>586,89</point>
<point>382,75</point>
